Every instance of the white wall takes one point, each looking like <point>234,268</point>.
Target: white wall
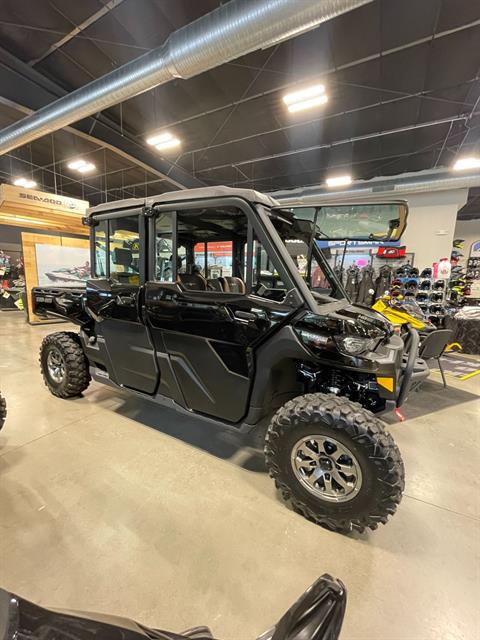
<point>468,230</point>
<point>431,224</point>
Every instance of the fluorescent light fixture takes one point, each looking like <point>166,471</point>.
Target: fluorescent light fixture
<point>76,164</point>
<point>471,162</point>
<point>81,165</point>
<point>304,94</point>
<point>163,141</point>
<point>339,181</point>
<point>307,104</point>
<point>168,144</point>
<point>85,168</point>
<point>24,182</point>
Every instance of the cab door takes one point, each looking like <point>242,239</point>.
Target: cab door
<point>115,298</point>
<point>205,335</point>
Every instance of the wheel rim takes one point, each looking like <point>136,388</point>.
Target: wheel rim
<point>56,365</point>
<point>326,468</point>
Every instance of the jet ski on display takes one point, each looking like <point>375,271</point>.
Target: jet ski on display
<point>70,275</point>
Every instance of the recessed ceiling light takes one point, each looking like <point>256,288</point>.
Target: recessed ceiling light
<point>24,182</point>
<point>339,181</point>
<point>81,165</point>
<point>471,162</point>
<point>163,141</point>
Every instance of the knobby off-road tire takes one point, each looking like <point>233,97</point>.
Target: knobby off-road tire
<point>71,376</point>
<point>3,411</point>
<point>356,431</point>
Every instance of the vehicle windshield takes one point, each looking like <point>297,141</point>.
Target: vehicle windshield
<point>310,260</point>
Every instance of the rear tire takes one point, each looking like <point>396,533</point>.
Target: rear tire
<point>64,365</point>
<point>318,439</point>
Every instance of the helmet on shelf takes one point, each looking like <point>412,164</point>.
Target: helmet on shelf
<point>425,285</point>
<point>439,284</point>
<point>411,284</point>
<point>436,309</point>
<point>436,296</point>
<point>422,296</point>
<point>426,273</point>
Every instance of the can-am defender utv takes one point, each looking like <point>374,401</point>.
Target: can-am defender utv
<point>218,302</point>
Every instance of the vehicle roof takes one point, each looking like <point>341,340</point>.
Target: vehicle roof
<point>185,194</point>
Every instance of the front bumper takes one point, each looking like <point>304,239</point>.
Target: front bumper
<point>414,370</point>
<point>400,370</point>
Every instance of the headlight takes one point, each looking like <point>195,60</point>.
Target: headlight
<point>355,345</point>
<point>312,339</point>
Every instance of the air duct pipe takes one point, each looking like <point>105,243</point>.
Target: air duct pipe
<point>232,30</point>
<point>380,188</point>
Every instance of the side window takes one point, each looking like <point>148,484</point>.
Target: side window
<point>164,248</point>
<point>101,259</point>
<point>266,281</point>
<point>315,276</point>
<point>318,280</point>
<point>210,248</point>
<point>124,249</point>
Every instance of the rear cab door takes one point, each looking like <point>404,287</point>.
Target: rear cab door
<point>114,298</point>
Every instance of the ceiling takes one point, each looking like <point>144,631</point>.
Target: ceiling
<point>402,80</point>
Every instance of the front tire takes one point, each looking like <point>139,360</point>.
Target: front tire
<point>334,461</point>
<point>64,365</point>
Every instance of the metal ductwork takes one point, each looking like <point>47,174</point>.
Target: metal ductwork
<point>381,188</point>
<point>230,31</point>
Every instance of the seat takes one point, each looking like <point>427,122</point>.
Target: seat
<point>433,346</point>
<point>192,281</point>
<point>214,284</point>
<point>232,284</point>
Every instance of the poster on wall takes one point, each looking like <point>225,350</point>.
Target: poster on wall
<point>61,266</point>
<point>475,250</point>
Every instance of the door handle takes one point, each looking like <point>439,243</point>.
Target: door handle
<point>126,301</point>
<point>246,315</point>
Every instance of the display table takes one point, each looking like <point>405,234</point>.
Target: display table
<point>466,332</point>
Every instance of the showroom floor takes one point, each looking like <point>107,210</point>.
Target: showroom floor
<point>111,504</point>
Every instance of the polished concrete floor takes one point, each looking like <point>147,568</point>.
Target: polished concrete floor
<point>110,504</point>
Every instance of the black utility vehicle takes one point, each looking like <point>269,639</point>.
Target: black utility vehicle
<point>218,302</point>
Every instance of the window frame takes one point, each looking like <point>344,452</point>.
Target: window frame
<point>258,223</point>
<point>114,215</point>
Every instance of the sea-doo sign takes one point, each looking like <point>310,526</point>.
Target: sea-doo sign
<point>46,199</point>
<point>19,207</point>
<point>58,201</point>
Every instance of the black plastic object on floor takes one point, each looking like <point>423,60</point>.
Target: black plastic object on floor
<point>3,413</point>
<point>317,615</point>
